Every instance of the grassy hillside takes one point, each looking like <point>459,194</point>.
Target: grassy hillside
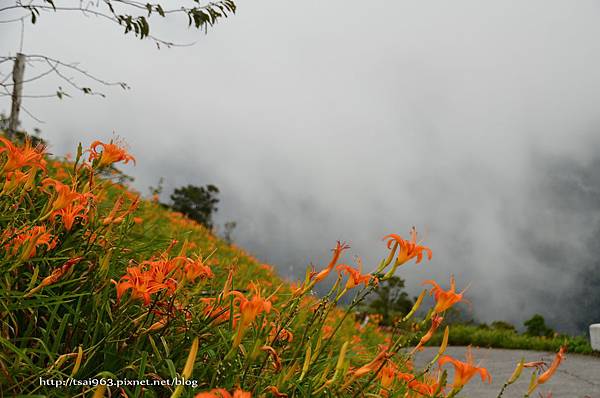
<point>105,293</point>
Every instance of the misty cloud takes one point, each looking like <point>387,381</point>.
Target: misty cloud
<point>321,121</point>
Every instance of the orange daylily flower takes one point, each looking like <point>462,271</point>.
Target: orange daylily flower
<point>114,217</point>
<point>327,331</point>
<point>22,157</point>
<point>60,171</point>
<point>280,335</point>
<point>382,356</point>
<point>162,272</point>
<point>15,179</point>
<point>249,310</point>
<point>70,213</point>
<point>426,388</point>
<point>405,376</point>
<point>337,252</point>
<point>464,371</point>
<point>266,267</point>
<point>30,239</point>
<point>408,249</point>
<point>276,360</point>
<point>142,286</point>
<point>214,393</point>
<point>544,377</point>
<point>111,153</point>
<point>355,277</point>
<point>388,373</point>
<point>444,299</point>
<point>153,276</point>
<point>241,394</point>
<point>65,195</point>
<point>222,393</point>
<point>436,321</point>
<point>197,269</point>
<point>217,313</point>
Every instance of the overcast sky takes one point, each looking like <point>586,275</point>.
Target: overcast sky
<point>477,122</point>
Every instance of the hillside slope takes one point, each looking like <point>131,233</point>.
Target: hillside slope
<point>104,293</point>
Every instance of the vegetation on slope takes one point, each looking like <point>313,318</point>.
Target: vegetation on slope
<point>103,293</point>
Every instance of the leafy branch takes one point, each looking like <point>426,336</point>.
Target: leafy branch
<point>123,13</point>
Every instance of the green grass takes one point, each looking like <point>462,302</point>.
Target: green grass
<point>461,335</point>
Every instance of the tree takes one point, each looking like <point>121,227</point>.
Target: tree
<point>134,17</point>
<point>503,325</point>
<point>536,326</point>
<point>197,203</point>
<point>391,301</point>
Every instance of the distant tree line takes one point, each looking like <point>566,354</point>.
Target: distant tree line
<point>197,203</point>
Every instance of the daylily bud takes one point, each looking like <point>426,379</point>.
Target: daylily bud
<point>532,384</point>
<point>415,306</point>
<point>188,368</point>
<point>100,390</point>
<point>444,341</point>
<point>306,363</point>
<point>517,372</point>
<point>158,324</point>
<point>54,276</point>
<point>544,377</point>
<point>189,364</point>
<point>340,361</point>
<point>77,361</point>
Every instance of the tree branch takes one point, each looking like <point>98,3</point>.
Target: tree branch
<point>33,78</point>
<point>201,16</point>
<point>57,63</point>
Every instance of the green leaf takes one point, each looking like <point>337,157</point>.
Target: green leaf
<point>51,2</point>
<point>141,372</point>
<point>172,371</point>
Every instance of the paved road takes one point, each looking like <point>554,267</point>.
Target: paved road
<point>577,377</point>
